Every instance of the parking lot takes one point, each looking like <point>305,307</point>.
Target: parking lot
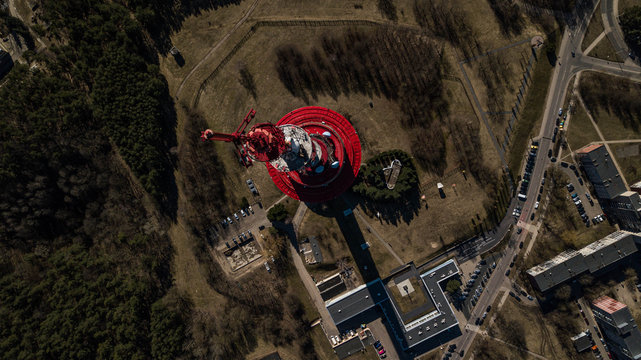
<point>580,189</point>
<point>474,282</point>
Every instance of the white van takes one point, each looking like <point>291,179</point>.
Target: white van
<point>522,197</point>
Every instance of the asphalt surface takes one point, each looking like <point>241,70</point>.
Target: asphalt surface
<point>568,65</point>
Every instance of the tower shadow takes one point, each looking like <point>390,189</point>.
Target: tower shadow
<point>349,227</point>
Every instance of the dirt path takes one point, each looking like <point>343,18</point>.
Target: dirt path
<point>216,46</point>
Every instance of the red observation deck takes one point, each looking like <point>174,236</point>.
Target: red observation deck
<point>313,154</point>
<point>333,181</point>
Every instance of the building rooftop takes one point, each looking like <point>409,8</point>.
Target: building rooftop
<point>608,304</point>
<point>349,347</point>
<point>356,301</point>
<point>555,261</point>
<point>589,148</point>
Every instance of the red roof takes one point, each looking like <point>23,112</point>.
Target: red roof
<point>589,148</point>
<point>608,304</point>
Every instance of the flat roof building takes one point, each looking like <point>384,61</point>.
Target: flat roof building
<point>411,300</point>
<point>625,209</point>
<point>600,169</point>
<point>582,341</point>
<point>618,328</point>
<point>592,258</point>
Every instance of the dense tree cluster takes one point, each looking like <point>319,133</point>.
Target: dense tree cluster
<point>399,65</point>
<point>277,212</point>
<point>72,285</point>
<point>620,98</point>
<point>630,22</point>
<point>105,55</point>
<point>371,183</point>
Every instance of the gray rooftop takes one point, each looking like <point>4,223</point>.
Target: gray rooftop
<point>349,347</point>
<point>592,258</point>
<point>601,171</point>
<point>366,297</point>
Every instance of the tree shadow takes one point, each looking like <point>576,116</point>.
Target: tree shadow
<point>392,212</point>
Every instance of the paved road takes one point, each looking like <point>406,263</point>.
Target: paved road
<point>610,15</point>
<point>567,66</point>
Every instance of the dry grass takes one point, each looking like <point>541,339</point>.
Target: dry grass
<point>189,277</point>
<point>595,28</point>
<point>540,336</point>
<point>331,241</point>
<point>580,131</point>
<point>408,302</point>
<point>441,223</point>
<point>604,50</point>
<point>624,4</point>
<point>484,348</point>
<point>629,164</point>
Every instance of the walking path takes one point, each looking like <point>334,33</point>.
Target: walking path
<point>216,46</point>
<point>379,237</point>
<point>594,43</point>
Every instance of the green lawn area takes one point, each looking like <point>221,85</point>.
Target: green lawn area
<point>595,28</point>
<point>604,50</point>
<point>410,301</point>
<point>581,131</point>
<point>532,113</point>
<point>630,164</point>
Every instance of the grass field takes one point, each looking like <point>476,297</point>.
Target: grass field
<point>484,348</point>
<point>629,162</point>
<point>604,50</point>
<point>624,4</point>
<point>526,327</point>
<point>595,28</point>
<point>531,114</point>
<point>507,80</point>
<point>581,131</point>
<point>331,242</point>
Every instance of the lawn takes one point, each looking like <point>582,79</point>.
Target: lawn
<point>526,327</point>
<point>580,131</point>
<point>629,160</point>
<point>604,50</point>
<point>408,302</point>
<point>331,242</point>
<point>624,4</point>
<point>531,114</point>
<point>484,348</point>
<point>595,28</point>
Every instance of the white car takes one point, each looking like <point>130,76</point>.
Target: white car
<point>242,212</point>
<point>536,205</point>
<point>250,209</point>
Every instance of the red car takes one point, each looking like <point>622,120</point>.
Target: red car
<point>381,351</point>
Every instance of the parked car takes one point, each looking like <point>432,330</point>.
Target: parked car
<point>560,111</point>
<point>536,205</point>
<point>378,344</point>
<point>381,351</point>
<point>507,273</point>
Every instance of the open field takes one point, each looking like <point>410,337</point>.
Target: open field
<point>614,104</point>
<point>629,160</point>
<point>595,28</point>
<point>531,115</point>
<point>496,79</point>
<point>526,327</point>
<point>581,131</point>
<point>604,50</point>
<point>486,348</point>
<point>624,4</point>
